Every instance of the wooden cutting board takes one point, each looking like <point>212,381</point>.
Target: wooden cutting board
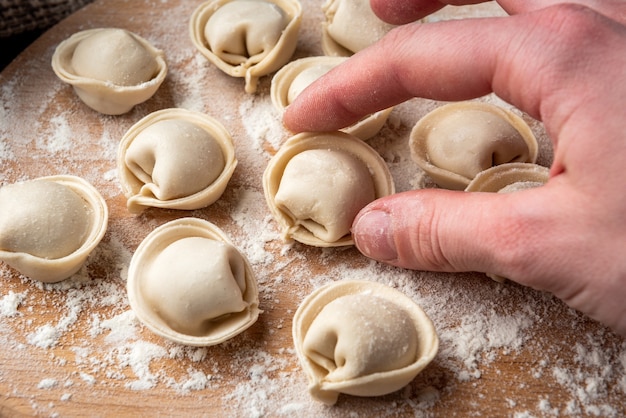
<point>75,348</point>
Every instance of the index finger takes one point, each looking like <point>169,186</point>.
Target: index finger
<point>525,59</point>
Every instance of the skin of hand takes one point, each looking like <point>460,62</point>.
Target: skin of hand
<point>563,64</point>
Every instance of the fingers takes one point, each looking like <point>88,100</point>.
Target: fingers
<point>533,63</point>
<point>531,237</point>
<point>399,12</point>
<point>440,230</point>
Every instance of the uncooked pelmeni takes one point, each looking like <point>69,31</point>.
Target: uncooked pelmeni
<point>111,69</point>
<point>455,142</point>
<point>188,283</point>
<point>247,38</point>
<point>49,225</point>
<point>361,338</point>
<point>177,159</point>
<point>350,26</point>
<point>317,183</point>
<point>297,75</point>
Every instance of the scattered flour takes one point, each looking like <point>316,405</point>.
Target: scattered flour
<point>91,341</point>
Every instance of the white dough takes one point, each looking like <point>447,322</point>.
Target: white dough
<point>351,25</point>
<point>195,281</point>
<point>245,30</point>
<point>174,158</point>
<point>114,56</point>
<point>42,218</point>
<point>357,335</point>
<point>323,190</point>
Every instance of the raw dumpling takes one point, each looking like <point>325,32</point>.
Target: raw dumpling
<point>175,158</point>
<point>510,177</point>
<point>247,38</point>
<point>110,69</point>
<point>188,283</point>
<point>317,183</point>
<point>350,26</point>
<point>294,77</point>
<point>48,226</point>
<point>361,338</point>
<point>455,142</point>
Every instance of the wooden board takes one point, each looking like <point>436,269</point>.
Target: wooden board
<point>75,349</point>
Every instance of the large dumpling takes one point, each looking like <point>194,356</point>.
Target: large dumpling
<point>317,183</point>
<point>177,159</point>
<point>48,226</point>
<point>455,142</point>
<point>361,338</point>
<point>188,283</point>
<point>325,205</point>
<point>110,69</point>
<point>247,38</point>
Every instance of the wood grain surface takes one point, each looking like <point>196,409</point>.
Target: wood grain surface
<point>75,349</point>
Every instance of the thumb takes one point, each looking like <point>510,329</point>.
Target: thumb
<point>442,230</point>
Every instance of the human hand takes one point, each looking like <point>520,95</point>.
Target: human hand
<point>564,65</point>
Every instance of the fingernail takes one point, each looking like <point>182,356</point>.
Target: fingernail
<point>373,235</point>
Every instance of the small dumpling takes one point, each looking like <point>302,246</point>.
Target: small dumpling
<point>509,178</point>
<point>294,77</point>
<point>110,69</point>
<point>455,142</point>
<point>317,183</point>
<point>247,38</point>
<point>350,26</point>
<point>189,284</point>
<point>48,226</point>
<point>175,158</point>
<point>361,338</point>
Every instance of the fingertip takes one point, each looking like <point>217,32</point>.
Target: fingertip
<point>372,233</point>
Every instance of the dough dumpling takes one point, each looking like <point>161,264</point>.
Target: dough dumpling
<point>345,347</point>
<point>175,158</point>
<point>324,190</point>
<point>317,183</point>
<point>361,338</point>
<point>245,30</point>
<point>42,218</point>
<point>457,141</point>
<point>213,288</point>
<point>114,56</point>
<point>188,283</point>
<point>49,225</point>
<point>247,38</point>
<point>351,25</point>
<point>110,69</point>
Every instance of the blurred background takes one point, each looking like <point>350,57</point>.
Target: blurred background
<point>23,21</point>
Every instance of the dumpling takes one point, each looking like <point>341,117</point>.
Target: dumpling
<point>48,226</point>
<point>317,183</point>
<point>508,178</point>
<point>350,26</point>
<point>361,338</point>
<point>247,38</point>
<point>455,142</point>
<point>111,69</point>
<point>189,284</point>
<point>175,158</point>
<point>294,77</point>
